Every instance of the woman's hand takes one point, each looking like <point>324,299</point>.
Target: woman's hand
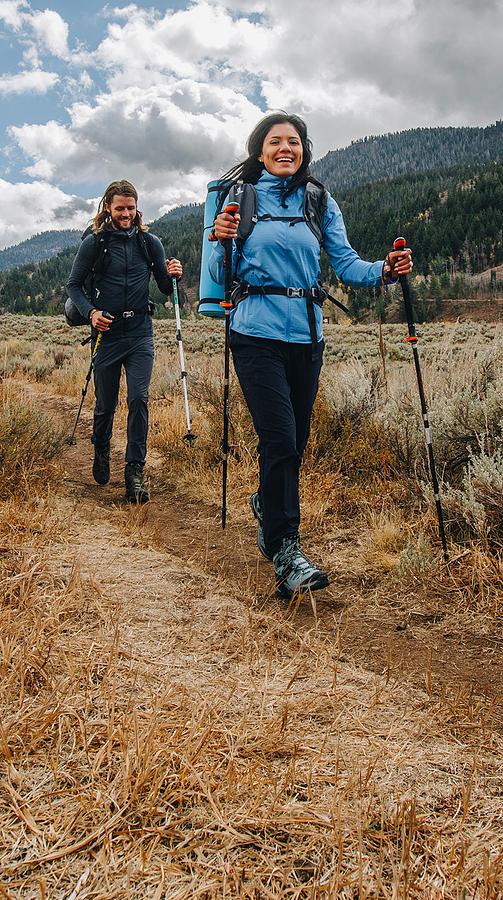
<point>226,226</point>
<point>174,267</point>
<point>397,262</point>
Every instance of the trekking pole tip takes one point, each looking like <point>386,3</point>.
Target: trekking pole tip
<point>190,438</point>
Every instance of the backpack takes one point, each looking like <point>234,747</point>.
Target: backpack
<point>100,260</point>
<point>313,211</point>
<point>314,206</point>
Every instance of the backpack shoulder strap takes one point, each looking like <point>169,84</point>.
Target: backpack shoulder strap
<point>248,211</point>
<point>315,204</point>
<point>144,239</point>
<point>248,207</point>
<point>101,240</point>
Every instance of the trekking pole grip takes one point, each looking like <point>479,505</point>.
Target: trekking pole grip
<point>400,244</point>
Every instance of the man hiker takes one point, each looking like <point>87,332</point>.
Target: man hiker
<point>109,285</point>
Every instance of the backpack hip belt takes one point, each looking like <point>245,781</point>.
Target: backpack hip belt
<point>316,294</point>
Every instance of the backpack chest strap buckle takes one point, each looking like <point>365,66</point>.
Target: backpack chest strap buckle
<point>295,292</point>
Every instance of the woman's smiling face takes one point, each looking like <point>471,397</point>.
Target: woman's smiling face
<point>282,151</point>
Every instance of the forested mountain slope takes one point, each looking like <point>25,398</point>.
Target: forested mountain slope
<point>418,150</point>
<point>35,249</point>
<point>453,219</point>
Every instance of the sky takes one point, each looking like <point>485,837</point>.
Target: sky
<point>165,94</point>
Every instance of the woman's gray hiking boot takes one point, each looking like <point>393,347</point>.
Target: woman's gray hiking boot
<point>256,509</point>
<point>101,465</point>
<point>295,572</point>
<point>136,484</point>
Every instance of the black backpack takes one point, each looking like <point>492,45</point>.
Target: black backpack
<point>315,204</point>
<point>313,211</point>
<point>99,264</point>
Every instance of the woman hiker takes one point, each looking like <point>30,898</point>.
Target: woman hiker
<point>276,327</point>
<point>120,273</point>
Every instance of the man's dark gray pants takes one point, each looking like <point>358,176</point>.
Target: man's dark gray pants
<point>136,355</point>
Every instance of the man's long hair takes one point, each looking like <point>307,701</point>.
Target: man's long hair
<point>251,168</point>
<point>116,188</point>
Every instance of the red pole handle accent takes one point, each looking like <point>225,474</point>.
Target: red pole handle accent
<point>232,209</point>
<point>399,243</point>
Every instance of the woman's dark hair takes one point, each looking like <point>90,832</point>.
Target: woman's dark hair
<point>251,169</point>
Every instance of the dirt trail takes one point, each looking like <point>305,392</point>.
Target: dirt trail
<point>372,631</point>
<point>274,730</point>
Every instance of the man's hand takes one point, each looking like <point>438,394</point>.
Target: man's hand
<point>100,320</point>
<point>174,267</point>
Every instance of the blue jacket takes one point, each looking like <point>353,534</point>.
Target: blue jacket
<point>123,285</point>
<point>289,256</point>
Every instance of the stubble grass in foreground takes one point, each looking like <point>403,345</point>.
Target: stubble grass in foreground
<point>187,743</point>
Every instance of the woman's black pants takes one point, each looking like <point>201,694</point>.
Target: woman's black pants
<point>279,382</point>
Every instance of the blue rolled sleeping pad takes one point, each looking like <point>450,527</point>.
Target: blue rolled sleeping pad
<point>210,293</point>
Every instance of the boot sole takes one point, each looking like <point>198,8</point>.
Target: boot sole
<point>102,481</point>
<point>137,498</point>
<point>315,584</point>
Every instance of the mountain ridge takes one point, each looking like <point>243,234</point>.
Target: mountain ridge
<point>453,217</point>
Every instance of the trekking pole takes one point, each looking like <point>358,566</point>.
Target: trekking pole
<point>189,437</point>
<point>232,208</point>
<point>399,244</point>
<point>71,439</point>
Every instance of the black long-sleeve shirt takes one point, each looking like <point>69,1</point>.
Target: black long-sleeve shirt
<point>123,285</point>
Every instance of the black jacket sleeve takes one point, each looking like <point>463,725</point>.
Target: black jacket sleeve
<point>81,268</point>
<point>164,282</point>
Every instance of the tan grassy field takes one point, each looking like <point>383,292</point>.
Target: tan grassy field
<point>171,729</point>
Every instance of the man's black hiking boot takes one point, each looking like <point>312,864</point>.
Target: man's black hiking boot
<point>256,509</point>
<point>136,484</point>
<point>101,465</point>
<point>295,573</point>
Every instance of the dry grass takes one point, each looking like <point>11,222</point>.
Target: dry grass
<point>164,737</point>
<point>29,443</point>
<point>268,768</point>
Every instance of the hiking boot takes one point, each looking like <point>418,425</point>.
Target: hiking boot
<point>256,509</point>
<point>136,485</point>
<point>101,465</point>
<point>295,572</point>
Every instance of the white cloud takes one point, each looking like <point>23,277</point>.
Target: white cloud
<point>11,13</point>
<point>181,90</point>
<point>43,31</point>
<point>351,69</point>
<point>203,42</point>
<point>27,209</point>
<point>36,81</point>
<point>51,31</point>
<point>168,138</point>
<point>31,57</point>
